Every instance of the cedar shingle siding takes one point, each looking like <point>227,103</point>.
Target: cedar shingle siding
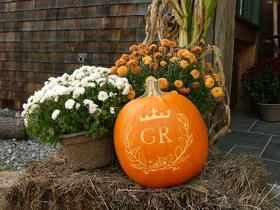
<point>40,38</point>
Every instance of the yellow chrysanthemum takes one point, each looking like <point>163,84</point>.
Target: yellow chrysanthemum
<point>125,57</point>
<point>131,94</point>
<point>184,64</point>
<point>163,83</point>
<point>195,74</point>
<point>209,82</point>
<point>163,63</point>
<point>122,71</point>
<point>133,48</point>
<point>217,92</point>
<point>178,83</point>
<point>147,60</point>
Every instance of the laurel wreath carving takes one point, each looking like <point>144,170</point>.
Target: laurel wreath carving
<point>169,161</point>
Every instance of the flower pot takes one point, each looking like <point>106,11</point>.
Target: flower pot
<point>269,112</point>
<point>83,152</point>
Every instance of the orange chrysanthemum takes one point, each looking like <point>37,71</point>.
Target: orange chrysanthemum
<point>153,47</point>
<point>195,74</point>
<point>164,42</point>
<point>147,60</point>
<point>162,49</point>
<point>195,85</point>
<point>209,82</point>
<point>125,57</point>
<point>158,55</point>
<point>185,91</point>
<point>184,64</point>
<point>216,77</point>
<point>174,59</point>
<point>178,83</point>
<point>135,69</point>
<point>133,48</point>
<point>172,44</point>
<point>154,66</point>
<point>114,69</point>
<point>163,83</point>
<point>163,63</point>
<point>142,46</point>
<point>122,71</point>
<point>131,94</point>
<point>132,62</point>
<point>196,49</point>
<point>217,92</point>
<point>120,62</point>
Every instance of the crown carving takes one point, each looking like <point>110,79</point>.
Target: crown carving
<point>155,115</point>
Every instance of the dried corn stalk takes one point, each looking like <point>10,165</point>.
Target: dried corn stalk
<point>187,21</point>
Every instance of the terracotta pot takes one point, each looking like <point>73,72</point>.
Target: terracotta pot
<point>83,152</point>
<point>269,112</point>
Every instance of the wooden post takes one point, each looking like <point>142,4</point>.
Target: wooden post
<point>224,35</point>
<point>275,24</point>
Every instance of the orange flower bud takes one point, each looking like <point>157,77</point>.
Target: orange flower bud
<point>196,49</point>
<point>162,49</point>
<point>195,85</point>
<point>169,55</point>
<point>174,59</point>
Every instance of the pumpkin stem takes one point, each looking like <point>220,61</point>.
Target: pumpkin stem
<point>152,87</point>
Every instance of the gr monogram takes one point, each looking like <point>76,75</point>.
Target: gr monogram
<point>148,134</point>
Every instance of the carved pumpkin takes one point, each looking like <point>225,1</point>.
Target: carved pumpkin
<point>160,138</point>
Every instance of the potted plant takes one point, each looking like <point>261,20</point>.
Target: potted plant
<point>178,69</point>
<point>78,111</point>
<point>262,83</point>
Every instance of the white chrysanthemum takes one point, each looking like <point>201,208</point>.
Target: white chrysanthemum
<point>92,108</point>
<point>112,110</point>
<point>91,84</point>
<point>102,96</point>
<point>78,91</point>
<point>77,106</point>
<point>69,104</point>
<point>126,90</point>
<point>87,101</point>
<point>55,114</point>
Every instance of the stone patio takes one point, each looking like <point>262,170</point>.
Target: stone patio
<point>253,136</point>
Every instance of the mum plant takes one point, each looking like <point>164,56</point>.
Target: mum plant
<point>262,81</point>
<point>175,68</point>
<point>87,100</point>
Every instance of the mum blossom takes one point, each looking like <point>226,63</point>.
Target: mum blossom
<point>55,114</point>
<point>69,104</point>
<point>102,96</point>
<point>112,110</point>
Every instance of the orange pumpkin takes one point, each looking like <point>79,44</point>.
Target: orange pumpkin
<point>160,138</point>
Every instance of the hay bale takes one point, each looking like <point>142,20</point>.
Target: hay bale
<point>227,182</point>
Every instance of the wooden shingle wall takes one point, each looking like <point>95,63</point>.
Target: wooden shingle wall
<point>43,38</point>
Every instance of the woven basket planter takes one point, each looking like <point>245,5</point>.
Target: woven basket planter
<point>83,152</point>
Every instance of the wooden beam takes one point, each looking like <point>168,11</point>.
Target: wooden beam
<point>224,35</point>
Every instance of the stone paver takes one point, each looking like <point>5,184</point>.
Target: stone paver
<point>273,169</point>
<point>272,128</point>
<point>250,135</point>
<point>242,121</point>
<point>272,151</point>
